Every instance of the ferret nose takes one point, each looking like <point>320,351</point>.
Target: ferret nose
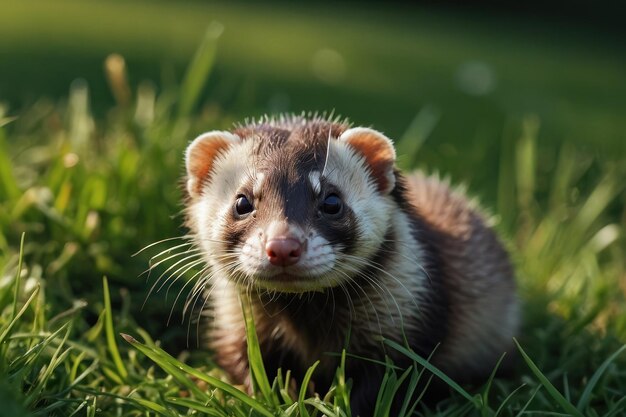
<point>283,252</point>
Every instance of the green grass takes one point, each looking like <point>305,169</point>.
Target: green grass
<point>80,193</point>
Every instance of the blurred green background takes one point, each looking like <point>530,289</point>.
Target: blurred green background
<point>379,65</point>
<point>465,84</point>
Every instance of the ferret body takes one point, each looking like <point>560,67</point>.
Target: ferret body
<point>311,220</point>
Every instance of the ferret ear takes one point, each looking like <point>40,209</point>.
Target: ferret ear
<point>201,155</point>
<point>378,151</point>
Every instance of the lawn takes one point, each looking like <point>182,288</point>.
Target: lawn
<point>527,114</point>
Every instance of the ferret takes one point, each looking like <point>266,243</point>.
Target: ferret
<point>310,218</point>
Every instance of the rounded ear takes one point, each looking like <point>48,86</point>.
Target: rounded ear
<point>379,154</point>
<point>201,155</point>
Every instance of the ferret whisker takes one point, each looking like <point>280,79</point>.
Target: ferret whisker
<point>184,237</point>
<point>368,299</point>
<point>378,267</point>
<point>195,252</point>
<point>187,264</point>
<point>375,285</point>
<point>180,272</point>
<point>201,283</point>
<point>173,249</point>
<point>157,282</point>
<point>368,263</point>
<point>412,260</point>
<point>380,291</point>
<point>322,175</point>
<point>199,319</point>
<point>193,306</point>
<point>351,308</point>
<point>200,272</point>
<point>206,239</point>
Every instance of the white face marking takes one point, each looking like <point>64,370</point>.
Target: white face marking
<point>314,179</point>
<point>211,210</point>
<point>346,170</point>
<point>258,185</point>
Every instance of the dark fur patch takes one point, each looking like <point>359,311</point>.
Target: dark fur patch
<point>286,157</point>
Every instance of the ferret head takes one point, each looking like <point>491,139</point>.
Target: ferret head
<point>294,207</point>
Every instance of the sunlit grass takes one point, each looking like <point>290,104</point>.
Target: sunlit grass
<point>88,193</point>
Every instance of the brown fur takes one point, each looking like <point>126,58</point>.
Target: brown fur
<point>476,274</point>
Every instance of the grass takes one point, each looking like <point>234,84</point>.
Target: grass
<point>81,193</point>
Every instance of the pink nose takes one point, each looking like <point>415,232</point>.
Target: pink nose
<point>283,252</point>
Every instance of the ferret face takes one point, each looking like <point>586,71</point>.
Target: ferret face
<point>290,208</point>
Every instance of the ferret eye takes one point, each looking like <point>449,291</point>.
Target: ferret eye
<point>332,204</point>
<point>243,205</point>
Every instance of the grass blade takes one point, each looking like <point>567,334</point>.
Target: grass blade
<point>389,390</point>
<point>485,396</point>
<point>151,405</point>
<point>415,135</point>
<point>197,406</point>
<point>586,395</point>
<point>342,389</point>
<point>530,400</point>
<point>525,161</point>
<point>507,399</point>
<point>110,335</point>
<point>303,389</point>
<point>18,276</point>
<point>6,331</point>
<point>423,362</point>
<point>554,393</point>
<point>161,358</point>
<point>255,360</point>
<point>199,69</point>
<point>8,182</point>
<point>618,408</point>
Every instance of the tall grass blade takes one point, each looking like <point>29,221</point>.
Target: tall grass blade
<point>602,195</point>
<point>257,369</point>
<point>507,399</point>
<point>586,395</point>
<point>525,162</point>
<point>563,177</point>
<point>342,389</point>
<point>6,329</point>
<point>530,400</point>
<point>57,359</point>
<point>303,389</point>
<point>199,69</point>
<point>506,178</point>
<point>8,183</point>
<point>18,276</point>
<point>485,397</point>
<point>389,391</point>
<point>415,135</point>
<point>157,408</point>
<point>618,408</point>
<point>423,362</point>
<point>197,406</point>
<point>323,408</point>
<point>161,358</point>
<point>415,377</point>
<point>551,389</point>
<point>110,335</point>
